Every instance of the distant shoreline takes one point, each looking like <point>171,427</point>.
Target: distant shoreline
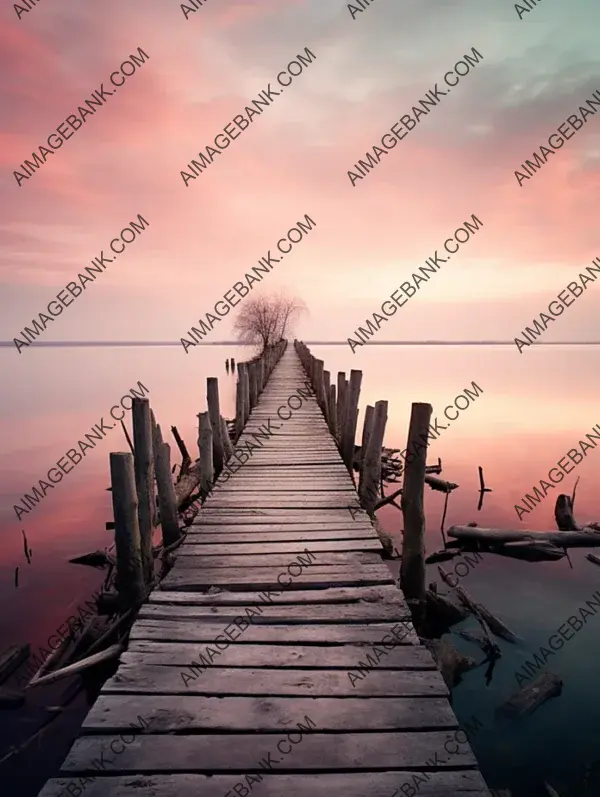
<point>135,343</point>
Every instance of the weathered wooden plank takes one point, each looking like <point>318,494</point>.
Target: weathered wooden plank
<point>165,631</point>
<point>150,679</point>
<point>339,530</point>
<point>167,713</point>
<point>283,501</point>
<point>242,752</point>
<point>198,538</point>
<point>464,783</point>
<point>260,578</point>
<point>344,657</point>
<point>389,594</point>
<point>252,549</point>
<point>325,559</point>
<point>280,615</point>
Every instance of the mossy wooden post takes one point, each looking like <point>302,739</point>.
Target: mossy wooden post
<point>412,570</point>
<point>239,406</point>
<point>341,396</point>
<point>205,443</point>
<point>370,469</point>
<point>366,432</point>
<point>214,413</point>
<point>129,579</point>
<point>228,448</point>
<point>232,364</point>
<point>144,481</point>
<point>167,502</point>
<point>352,397</point>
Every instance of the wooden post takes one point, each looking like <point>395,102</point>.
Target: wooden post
<point>228,448</point>
<point>332,414</point>
<point>144,481</point>
<point>239,406</point>
<point>253,385</point>
<point>261,375</point>
<point>167,502</point>
<point>341,396</point>
<point>129,579</point>
<point>370,469</point>
<point>246,381</point>
<point>412,570</point>
<point>214,413</point>
<point>318,384</point>
<point>186,460</point>
<point>349,437</point>
<point>205,443</point>
<point>367,429</point>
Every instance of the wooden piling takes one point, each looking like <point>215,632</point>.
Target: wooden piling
<point>340,407</point>
<point>246,386</point>
<point>205,443</point>
<point>253,385</point>
<point>412,570</point>
<point>370,469</point>
<point>318,385</point>
<point>352,397</point>
<point>239,406</point>
<point>367,428</point>
<point>332,412</point>
<point>129,579</point>
<point>167,502</point>
<point>144,481</point>
<point>214,413</point>
<point>227,447</point>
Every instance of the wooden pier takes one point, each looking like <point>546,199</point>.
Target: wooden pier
<point>203,700</point>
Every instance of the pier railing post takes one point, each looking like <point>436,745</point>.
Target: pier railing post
<point>167,501</point>
<point>239,406</point>
<point>253,384</point>
<point>144,481</point>
<point>246,386</point>
<point>352,397</point>
<point>366,433</point>
<point>412,569</point>
<point>227,447</point>
<point>318,382</point>
<point>370,469</point>
<point>205,443</point>
<point>129,579</point>
<point>340,407</point>
<point>214,412</point>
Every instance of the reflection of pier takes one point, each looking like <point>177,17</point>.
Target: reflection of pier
<point>270,659</point>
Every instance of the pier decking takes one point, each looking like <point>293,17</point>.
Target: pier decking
<point>283,549</point>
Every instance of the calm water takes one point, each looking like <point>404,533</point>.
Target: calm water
<point>533,408</point>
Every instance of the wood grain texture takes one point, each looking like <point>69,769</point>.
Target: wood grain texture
<point>240,643</point>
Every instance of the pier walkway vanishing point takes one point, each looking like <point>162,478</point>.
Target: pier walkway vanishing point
<point>280,706</point>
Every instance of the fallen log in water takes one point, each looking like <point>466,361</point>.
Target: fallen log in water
<point>450,662</point>
<point>530,697</point>
<point>496,626</point>
<point>592,558</point>
<point>441,485</point>
<point>12,658</point>
<point>586,537</point>
<point>528,551</point>
<point>93,559</point>
<point>442,556</point>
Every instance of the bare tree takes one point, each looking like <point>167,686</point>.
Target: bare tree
<point>264,320</point>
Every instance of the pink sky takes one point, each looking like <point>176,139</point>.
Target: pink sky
<point>293,161</point>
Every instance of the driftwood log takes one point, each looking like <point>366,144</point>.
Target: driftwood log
<point>530,697</point>
<point>450,662</point>
<point>586,537</point>
<point>12,658</point>
<point>440,485</point>
<point>497,627</point>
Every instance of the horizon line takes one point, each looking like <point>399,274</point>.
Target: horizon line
<point>6,343</point>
